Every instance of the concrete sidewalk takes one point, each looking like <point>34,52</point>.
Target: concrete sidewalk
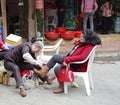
<point>106,78</point>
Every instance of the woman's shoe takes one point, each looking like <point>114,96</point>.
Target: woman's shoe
<point>50,79</point>
<point>60,88</point>
<point>42,72</point>
<point>22,92</point>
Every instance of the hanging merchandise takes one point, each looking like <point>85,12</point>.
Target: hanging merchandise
<point>39,4</point>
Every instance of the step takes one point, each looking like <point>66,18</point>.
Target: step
<point>110,46</point>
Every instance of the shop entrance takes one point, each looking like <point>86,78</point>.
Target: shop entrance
<point>12,10</point>
<point>73,9</point>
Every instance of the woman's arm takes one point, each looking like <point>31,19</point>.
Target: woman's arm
<point>95,6</point>
<point>82,4</point>
<point>79,55</point>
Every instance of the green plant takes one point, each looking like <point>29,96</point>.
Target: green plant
<point>40,19</point>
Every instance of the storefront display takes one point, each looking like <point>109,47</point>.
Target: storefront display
<point>117,25</point>
<point>73,10</point>
<point>117,7</point>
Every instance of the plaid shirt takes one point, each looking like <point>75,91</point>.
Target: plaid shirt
<point>107,11</point>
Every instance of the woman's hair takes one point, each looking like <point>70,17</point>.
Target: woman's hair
<point>91,38</point>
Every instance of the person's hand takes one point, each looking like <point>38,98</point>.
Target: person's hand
<point>77,41</point>
<point>36,63</point>
<point>44,64</point>
<point>64,63</point>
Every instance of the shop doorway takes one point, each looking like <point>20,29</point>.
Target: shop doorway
<point>12,10</point>
<point>71,20</point>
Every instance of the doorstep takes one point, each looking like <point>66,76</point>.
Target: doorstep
<point>110,46</point>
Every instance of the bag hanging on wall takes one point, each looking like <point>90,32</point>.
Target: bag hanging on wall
<point>65,75</point>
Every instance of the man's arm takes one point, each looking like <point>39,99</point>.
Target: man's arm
<point>31,60</point>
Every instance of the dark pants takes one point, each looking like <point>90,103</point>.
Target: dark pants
<point>59,59</point>
<point>61,16</point>
<point>106,24</point>
<point>56,59</point>
<point>57,69</point>
<point>88,15</point>
<point>11,66</point>
<point>3,53</point>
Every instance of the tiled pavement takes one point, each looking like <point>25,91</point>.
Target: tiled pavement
<point>110,42</point>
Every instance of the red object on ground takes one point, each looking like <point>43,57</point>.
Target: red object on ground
<point>60,29</point>
<point>26,72</point>
<point>51,35</point>
<point>68,35</point>
<point>77,34</point>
